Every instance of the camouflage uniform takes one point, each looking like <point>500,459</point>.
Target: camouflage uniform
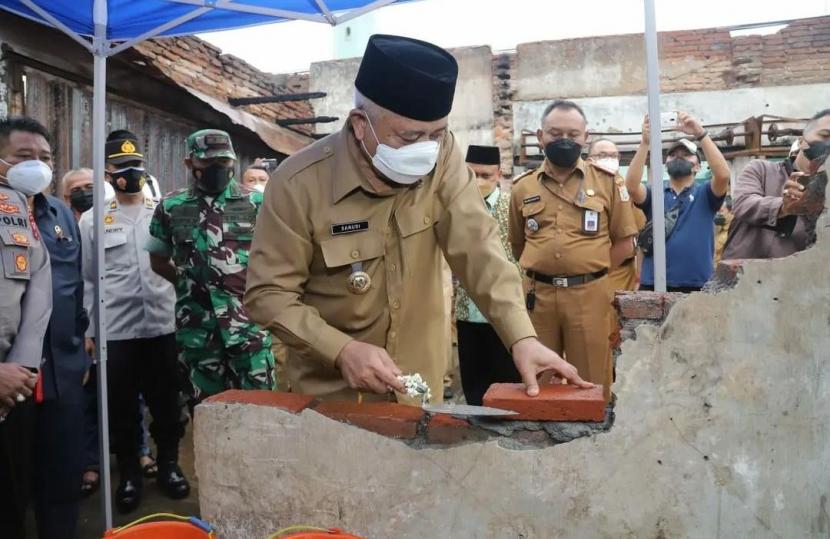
<point>208,239</point>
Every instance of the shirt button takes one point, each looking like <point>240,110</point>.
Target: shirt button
<point>427,220</point>
<point>392,267</point>
<point>396,304</point>
<point>392,334</point>
<point>558,256</point>
<point>560,207</point>
<point>355,254</point>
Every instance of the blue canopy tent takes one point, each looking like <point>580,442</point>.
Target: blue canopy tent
<point>107,27</point>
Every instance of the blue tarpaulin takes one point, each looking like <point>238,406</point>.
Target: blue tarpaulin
<point>128,19</point>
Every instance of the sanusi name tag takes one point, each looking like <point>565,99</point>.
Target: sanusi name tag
<point>349,228</point>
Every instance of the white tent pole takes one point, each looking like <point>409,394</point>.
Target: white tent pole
<point>99,111</point>
<point>158,30</point>
<point>254,10</point>
<point>656,149</point>
<point>353,14</point>
<point>326,12</point>
<point>56,23</point>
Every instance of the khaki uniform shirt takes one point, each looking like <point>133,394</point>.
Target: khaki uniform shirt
<point>627,276</point>
<point>573,223</point>
<point>322,220</point>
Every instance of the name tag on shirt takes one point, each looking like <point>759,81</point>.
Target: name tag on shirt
<point>531,200</point>
<point>590,222</point>
<point>349,228</point>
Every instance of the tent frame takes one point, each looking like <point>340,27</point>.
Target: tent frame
<point>102,48</point>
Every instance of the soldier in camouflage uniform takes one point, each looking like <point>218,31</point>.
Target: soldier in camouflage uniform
<point>200,239</point>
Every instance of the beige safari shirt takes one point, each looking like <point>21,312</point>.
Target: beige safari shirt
<point>321,221</point>
<point>566,229</point>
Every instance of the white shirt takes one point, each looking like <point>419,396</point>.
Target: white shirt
<point>140,303</point>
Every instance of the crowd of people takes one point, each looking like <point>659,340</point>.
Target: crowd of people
<point>338,255</point>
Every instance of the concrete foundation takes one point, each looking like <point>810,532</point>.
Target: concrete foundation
<point>721,431</point>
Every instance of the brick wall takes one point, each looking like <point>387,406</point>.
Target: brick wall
<point>503,109</point>
<point>196,64</point>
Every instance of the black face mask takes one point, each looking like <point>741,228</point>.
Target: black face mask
<point>134,179</point>
<point>720,219</point>
<point>81,200</point>
<point>563,152</point>
<point>679,168</point>
<point>818,151</point>
<point>213,179</point>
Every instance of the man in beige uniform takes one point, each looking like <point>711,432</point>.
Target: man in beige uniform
<point>346,260</point>
<point>570,221</point>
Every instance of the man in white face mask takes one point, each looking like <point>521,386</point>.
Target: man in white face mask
<point>605,154</point>
<point>345,266</point>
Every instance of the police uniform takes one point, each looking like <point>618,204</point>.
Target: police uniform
<point>209,238</point>
<point>141,330</point>
<point>25,308</point>
<point>561,233</point>
<point>336,260</point>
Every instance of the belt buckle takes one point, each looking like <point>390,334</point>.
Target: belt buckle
<point>561,282</point>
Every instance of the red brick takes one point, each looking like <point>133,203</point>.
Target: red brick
<point>291,402</point>
<point>386,418</point>
<point>555,402</point>
<point>445,429</point>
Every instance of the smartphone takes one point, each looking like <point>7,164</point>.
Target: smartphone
<point>668,120</point>
<point>269,164</point>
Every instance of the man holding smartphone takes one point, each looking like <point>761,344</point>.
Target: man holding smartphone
<point>776,205</point>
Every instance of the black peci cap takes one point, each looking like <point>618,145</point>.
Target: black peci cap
<point>483,155</point>
<point>409,77</point>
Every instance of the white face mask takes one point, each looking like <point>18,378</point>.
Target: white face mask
<point>259,187</point>
<point>609,163</point>
<point>28,177</point>
<point>407,164</point>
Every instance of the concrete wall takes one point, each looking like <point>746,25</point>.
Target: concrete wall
<point>472,116</point>
<point>721,431</point>
<point>624,113</point>
<point>611,65</point>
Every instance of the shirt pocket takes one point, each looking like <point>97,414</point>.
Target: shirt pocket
<point>414,219</point>
<point>114,239</point>
<point>346,250</point>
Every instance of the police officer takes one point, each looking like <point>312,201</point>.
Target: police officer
<point>570,221</point>
<point>346,262</point>
<point>140,328</point>
<point>26,301</point>
<point>201,236</point>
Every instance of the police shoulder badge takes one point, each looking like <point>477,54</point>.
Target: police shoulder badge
<point>109,219</point>
<point>20,239</point>
<point>21,263</point>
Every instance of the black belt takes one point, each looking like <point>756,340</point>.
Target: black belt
<point>565,282</point>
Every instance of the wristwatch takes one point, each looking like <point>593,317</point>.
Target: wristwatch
<point>702,136</point>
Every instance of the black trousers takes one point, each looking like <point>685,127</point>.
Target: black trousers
<point>483,360</point>
<point>59,432</point>
<point>146,366</point>
<point>17,444</point>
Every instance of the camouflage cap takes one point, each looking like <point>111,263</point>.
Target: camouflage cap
<point>209,144</point>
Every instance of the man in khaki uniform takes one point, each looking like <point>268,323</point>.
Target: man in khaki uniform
<point>346,259</point>
<point>570,221</point>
